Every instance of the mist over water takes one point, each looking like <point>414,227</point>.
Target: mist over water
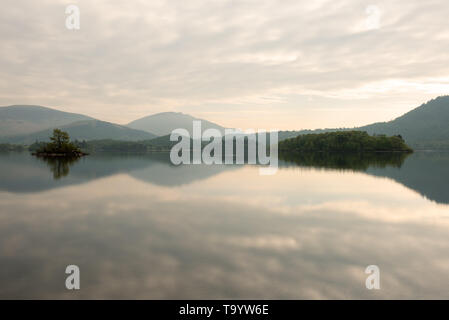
<point>139,227</point>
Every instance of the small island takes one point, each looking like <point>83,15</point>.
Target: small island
<point>344,141</point>
<point>60,146</point>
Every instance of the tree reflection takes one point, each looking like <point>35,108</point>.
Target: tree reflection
<point>346,161</point>
<point>59,166</point>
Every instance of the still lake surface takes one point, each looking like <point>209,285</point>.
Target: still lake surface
<point>139,227</point>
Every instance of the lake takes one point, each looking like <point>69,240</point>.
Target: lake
<point>141,228</point>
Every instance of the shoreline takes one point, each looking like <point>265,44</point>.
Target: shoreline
<point>59,155</point>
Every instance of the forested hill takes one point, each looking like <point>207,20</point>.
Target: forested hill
<point>343,141</point>
<point>424,127</point>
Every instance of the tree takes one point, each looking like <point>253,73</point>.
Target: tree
<point>60,145</point>
<point>60,138</point>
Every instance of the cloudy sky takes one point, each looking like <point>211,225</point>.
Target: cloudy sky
<point>271,64</point>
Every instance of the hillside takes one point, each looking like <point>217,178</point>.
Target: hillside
<point>164,123</point>
<point>425,126</point>
<point>87,130</point>
<point>20,120</point>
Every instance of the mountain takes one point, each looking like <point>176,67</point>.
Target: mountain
<point>20,120</point>
<point>86,130</point>
<point>426,126</point>
<point>164,123</point>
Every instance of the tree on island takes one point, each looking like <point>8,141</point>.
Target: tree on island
<point>60,138</point>
<point>60,145</point>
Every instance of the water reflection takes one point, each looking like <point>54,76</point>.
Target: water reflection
<point>22,173</point>
<point>302,233</point>
<point>348,161</point>
<point>425,172</point>
<point>59,166</point>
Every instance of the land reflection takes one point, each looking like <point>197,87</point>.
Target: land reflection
<point>349,161</point>
<point>424,172</point>
<point>302,233</point>
<point>139,227</point>
<point>59,166</point>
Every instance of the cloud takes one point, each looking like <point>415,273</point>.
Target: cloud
<point>203,57</point>
<point>137,240</point>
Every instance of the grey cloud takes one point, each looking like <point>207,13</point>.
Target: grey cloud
<point>137,248</point>
<point>149,56</point>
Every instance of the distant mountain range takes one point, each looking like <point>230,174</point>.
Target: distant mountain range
<point>27,124</point>
<point>20,120</point>
<point>425,127</point>
<point>87,130</point>
<point>164,123</point>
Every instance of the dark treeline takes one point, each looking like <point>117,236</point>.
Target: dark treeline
<point>343,141</point>
<point>112,146</point>
<point>4,147</point>
<point>116,146</point>
<point>161,144</point>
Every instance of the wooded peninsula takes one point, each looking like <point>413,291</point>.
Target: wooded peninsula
<point>344,141</point>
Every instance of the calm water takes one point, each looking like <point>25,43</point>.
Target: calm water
<point>140,228</point>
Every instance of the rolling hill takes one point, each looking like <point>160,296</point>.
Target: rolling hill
<point>164,123</point>
<point>424,127</point>
<point>21,119</point>
<point>86,130</point>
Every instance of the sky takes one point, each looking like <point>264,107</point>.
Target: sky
<point>261,64</point>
